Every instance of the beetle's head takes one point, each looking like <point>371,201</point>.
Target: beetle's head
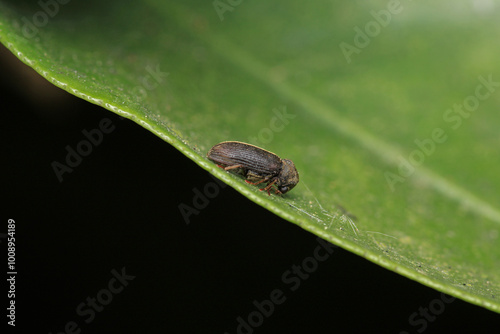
<point>288,177</point>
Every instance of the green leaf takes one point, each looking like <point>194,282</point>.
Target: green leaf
<point>385,109</point>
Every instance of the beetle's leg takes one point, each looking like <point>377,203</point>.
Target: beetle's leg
<point>231,167</point>
<point>255,183</point>
<point>254,179</point>
<point>269,186</point>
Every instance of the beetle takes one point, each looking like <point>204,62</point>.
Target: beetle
<point>256,165</point>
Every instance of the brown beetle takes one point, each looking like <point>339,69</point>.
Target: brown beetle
<point>256,165</point>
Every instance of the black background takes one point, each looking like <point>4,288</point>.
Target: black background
<point>119,209</point>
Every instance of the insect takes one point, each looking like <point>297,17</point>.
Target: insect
<point>256,165</point>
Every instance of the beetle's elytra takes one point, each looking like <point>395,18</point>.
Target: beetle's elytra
<point>256,165</point>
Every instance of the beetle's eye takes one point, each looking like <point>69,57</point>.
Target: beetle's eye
<point>283,189</point>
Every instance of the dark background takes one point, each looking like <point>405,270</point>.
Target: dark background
<point>119,208</point>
